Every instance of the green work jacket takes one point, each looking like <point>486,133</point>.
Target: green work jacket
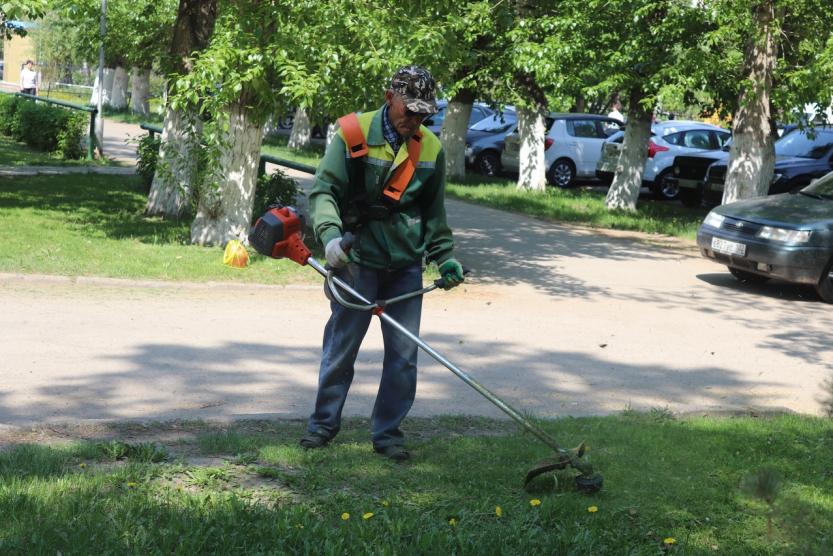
<point>420,229</point>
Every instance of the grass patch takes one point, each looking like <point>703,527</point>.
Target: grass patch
<point>665,480</point>
<point>580,206</point>
<point>95,225</point>
<point>13,153</point>
<point>277,146</point>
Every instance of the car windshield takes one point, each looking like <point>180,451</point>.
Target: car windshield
<point>495,124</point>
<point>823,187</point>
<point>805,144</point>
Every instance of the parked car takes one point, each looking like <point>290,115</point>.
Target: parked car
<point>571,149</point>
<point>668,139</point>
<point>788,236</point>
<point>689,171</point>
<point>478,112</point>
<point>485,139</point>
<point>800,157</point>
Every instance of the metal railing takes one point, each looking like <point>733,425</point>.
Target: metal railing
<point>92,111</point>
<point>264,158</point>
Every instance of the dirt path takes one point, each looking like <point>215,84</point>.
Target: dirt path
<point>559,320</point>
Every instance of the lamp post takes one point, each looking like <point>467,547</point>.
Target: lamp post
<point>100,120</point>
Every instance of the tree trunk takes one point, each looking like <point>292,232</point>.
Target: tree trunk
<point>225,212</point>
<point>332,128</point>
<point>118,96</point>
<point>176,168</point>
<point>453,133</point>
<point>139,100</point>
<point>752,155</point>
<point>299,137</point>
<point>624,191</point>
<point>106,90</point>
<point>177,165</point>
<point>532,174</point>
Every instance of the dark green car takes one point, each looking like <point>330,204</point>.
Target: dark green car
<point>787,236</point>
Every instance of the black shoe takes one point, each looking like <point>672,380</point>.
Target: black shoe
<point>395,452</point>
<point>313,440</point>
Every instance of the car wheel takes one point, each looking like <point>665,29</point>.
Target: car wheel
<point>561,173</point>
<point>745,277</point>
<point>689,197</point>
<point>665,189</point>
<point>487,163</point>
<point>825,286</point>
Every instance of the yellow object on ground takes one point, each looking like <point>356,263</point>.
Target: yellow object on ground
<point>235,255</point>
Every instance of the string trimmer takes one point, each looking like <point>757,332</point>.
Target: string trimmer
<point>279,234</point>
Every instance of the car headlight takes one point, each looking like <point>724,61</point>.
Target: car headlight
<point>784,235</point>
<point>714,220</point>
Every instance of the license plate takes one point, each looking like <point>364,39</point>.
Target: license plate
<point>728,247</point>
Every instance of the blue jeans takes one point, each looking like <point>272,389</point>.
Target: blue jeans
<point>343,336</point>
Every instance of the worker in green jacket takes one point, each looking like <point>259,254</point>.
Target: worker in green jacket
<point>382,178</point>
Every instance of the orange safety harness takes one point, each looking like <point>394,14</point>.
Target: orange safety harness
<point>357,147</point>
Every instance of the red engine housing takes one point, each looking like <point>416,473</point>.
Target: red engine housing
<point>278,234</point>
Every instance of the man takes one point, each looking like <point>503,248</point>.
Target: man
<point>29,79</point>
<point>385,260</point>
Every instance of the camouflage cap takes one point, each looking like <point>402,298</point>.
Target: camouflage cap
<point>417,88</point>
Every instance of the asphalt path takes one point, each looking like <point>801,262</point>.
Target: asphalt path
<point>556,319</point>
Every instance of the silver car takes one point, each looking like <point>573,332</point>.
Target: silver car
<point>668,140</point>
<point>571,147</point>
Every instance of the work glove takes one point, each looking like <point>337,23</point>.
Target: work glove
<point>335,255</point>
<point>451,271</point>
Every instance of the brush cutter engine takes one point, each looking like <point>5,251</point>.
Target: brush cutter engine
<point>279,233</point>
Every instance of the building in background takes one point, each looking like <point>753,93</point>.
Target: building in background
<point>16,51</point>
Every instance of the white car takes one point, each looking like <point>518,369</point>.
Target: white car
<point>572,146</point>
<point>668,139</point>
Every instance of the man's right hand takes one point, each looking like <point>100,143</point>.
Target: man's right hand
<point>335,255</point>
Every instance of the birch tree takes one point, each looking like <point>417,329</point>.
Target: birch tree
<point>176,169</point>
<point>767,59</point>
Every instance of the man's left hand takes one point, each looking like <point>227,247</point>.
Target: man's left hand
<point>451,272</point>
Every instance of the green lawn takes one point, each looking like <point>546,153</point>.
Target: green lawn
<point>94,225</point>
<point>671,487</point>
<point>13,153</point>
<point>276,146</point>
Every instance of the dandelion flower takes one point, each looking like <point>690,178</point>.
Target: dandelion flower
<point>498,511</point>
<point>453,522</point>
<point>345,516</point>
<point>592,509</point>
<point>385,503</point>
<point>534,502</point>
<point>132,485</point>
<point>82,465</point>
<point>367,516</point>
<point>670,540</point>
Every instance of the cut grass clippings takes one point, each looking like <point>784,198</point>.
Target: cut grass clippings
<point>82,225</point>
<point>671,486</point>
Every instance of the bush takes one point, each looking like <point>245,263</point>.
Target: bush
<point>43,127</point>
<point>71,136</point>
<point>148,154</point>
<point>9,122</point>
<point>277,188</point>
